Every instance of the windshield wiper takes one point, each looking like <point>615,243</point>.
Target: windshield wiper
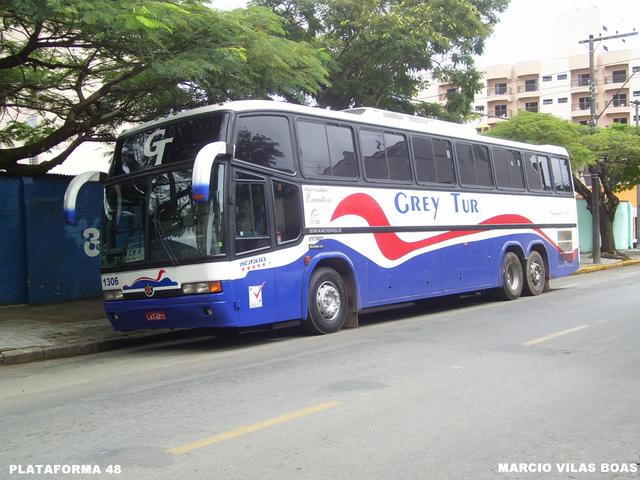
<point>165,245</point>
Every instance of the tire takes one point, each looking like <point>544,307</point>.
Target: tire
<point>327,302</point>
<point>535,281</point>
<point>512,278</point>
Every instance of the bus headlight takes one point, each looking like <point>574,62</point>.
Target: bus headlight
<point>112,295</point>
<point>201,287</point>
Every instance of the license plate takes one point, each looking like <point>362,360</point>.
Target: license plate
<point>155,316</point>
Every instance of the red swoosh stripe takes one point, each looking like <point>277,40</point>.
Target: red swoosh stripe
<point>392,246</point>
<point>160,273</point>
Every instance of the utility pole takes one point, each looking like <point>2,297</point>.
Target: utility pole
<point>595,180</point>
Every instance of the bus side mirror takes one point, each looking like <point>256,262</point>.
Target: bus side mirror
<point>71,194</point>
<point>202,169</point>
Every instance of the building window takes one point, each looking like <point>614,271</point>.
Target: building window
<point>562,76</point>
<point>546,78</point>
<point>547,101</point>
<point>501,111</point>
<point>584,103</point>
<point>635,69</point>
<point>531,106</point>
<point>451,91</point>
<point>620,120</point>
<point>619,76</point>
<point>584,79</point>
<point>530,85</point>
<point>501,88</point>
<point>562,100</point>
<point>479,108</point>
<point>620,100</point>
<point>583,122</point>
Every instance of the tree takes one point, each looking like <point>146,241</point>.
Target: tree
<point>612,153</point>
<point>81,68</point>
<point>383,50</point>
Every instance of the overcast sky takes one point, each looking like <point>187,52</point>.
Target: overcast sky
<point>543,29</point>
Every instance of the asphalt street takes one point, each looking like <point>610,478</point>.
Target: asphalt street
<point>442,390</point>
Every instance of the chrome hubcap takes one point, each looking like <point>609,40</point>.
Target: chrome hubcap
<point>328,301</point>
<point>535,273</point>
<point>513,280</point>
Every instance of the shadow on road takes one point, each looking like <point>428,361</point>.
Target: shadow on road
<point>246,338</point>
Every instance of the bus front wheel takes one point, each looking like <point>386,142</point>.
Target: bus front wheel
<point>512,278</point>
<point>327,302</point>
<point>535,279</point>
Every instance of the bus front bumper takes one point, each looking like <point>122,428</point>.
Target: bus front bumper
<point>185,311</point>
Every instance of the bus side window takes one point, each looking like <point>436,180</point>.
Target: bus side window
<point>386,156</point>
<point>508,167</point>
<point>561,175</point>
<point>251,217</point>
<point>265,140</point>
<point>288,211</point>
<point>538,174</point>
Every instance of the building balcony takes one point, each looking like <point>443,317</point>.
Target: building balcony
<point>527,88</point>
<point>580,109</point>
<point>498,94</point>
<point>614,82</point>
<point>581,85</point>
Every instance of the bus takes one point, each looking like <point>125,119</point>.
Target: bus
<point>252,213</point>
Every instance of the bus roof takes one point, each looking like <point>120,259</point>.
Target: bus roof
<point>370,116</point>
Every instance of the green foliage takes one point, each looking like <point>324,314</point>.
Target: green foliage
<point>383,50</point>
<point>86,66</point>
<point>544,128</point>
<point>618,149</point>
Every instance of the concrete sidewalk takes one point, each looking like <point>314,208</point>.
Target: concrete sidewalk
<point>587,265</point>
<point>40,332</point>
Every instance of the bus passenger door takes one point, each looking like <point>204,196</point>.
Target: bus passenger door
<point>255,294</point>
<point>288,221</point>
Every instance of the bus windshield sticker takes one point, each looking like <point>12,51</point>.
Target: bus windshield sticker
<point>135,251</point>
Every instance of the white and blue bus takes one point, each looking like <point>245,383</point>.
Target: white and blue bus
<point>256,212</point>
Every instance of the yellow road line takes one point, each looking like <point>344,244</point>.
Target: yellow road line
<point>535,341</point>
<point>205,442</point>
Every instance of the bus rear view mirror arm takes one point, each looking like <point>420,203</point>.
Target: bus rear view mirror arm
<point>71,194</point>
<point>202,168</point>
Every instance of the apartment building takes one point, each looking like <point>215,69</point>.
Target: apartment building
<point>559,86</point>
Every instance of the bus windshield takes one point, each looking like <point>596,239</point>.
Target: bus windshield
<point>169,143</point>
<point>153,219</point>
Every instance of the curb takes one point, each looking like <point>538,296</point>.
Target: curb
<point>606,266</point>
<point>34,354</point>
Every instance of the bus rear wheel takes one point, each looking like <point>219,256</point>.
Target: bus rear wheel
<point>535,279</point>
<point>327,302</point>
<point>512,278</point>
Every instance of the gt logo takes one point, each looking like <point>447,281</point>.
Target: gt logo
<point>152,148</point>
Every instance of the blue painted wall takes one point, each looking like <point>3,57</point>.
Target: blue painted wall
<point>13,275</point>
<point>58,262</point>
